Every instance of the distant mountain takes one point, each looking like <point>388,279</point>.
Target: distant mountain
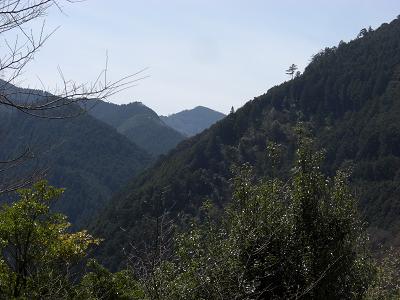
<point>349,97</point>
<point>140,124</point>
<point>84,155</point>
<point>193,121</point>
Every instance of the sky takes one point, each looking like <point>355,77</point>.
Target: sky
<point>214,53</point>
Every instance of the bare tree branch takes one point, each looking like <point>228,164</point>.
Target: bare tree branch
<point>20,45</point>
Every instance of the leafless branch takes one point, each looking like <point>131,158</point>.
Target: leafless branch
<point>20,45</point>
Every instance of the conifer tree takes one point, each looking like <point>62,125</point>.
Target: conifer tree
<point>291,70</point>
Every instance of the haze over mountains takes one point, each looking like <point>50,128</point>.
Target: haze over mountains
<point>157,135</point>
<point>348,96</point>
<point>295,195</point>
<point>139,124</point>
<point>87,157</point>
<point>92,155</point>
<point>193,121</point>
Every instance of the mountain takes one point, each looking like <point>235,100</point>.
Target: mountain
<point>349,97</point>
<point>82,154</point>
<point>193,121</point>
<point>140,124</point>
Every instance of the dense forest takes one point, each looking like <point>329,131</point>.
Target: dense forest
<point>294,195</point>
<point>91,159</point>
<point>347,96</point>
<point>276,239</point>
<point>139,124</point>
<point>84,155</point>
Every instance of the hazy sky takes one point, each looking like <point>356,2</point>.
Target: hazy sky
<point>213,53</point>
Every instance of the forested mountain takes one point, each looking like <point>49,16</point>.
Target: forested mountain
<point>87,157</point>
<point>193,121</point>
<point>140,124</point>
<point>349,97</point>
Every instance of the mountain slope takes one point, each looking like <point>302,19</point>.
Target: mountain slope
<point>86,156</point>
<point>348,95</point>
<point>193,121</point>
<point>140,124</point>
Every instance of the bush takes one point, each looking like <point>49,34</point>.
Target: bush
<point>276,240</point>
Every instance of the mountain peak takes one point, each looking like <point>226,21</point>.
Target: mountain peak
<point>193,121</point>
<point>349,97</point>
<point>140,124</point>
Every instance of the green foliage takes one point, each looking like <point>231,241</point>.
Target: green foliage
<point>37,248</point>
<point>349,95</point>
<point>99,283</point>
<point>276,240</point>
<point>82,154</point>
<point>139,124</point>
<point>386,284</point>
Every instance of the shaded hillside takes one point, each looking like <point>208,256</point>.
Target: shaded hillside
<point>140,124</point>
<point>193,121</point>
<point>348,95</point>
<point>86,156</point>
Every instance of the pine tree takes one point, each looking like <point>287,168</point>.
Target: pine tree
<point>292,70</point>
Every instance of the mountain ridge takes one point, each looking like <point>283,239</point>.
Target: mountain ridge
<point>82,154</point>
<point>345,96</point>
<point>138,123</point>
<point>193,121</point>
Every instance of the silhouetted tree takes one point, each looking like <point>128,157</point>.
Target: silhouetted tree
<point>363,32</point>
<point>292,70</point>
<point>21,45</point>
